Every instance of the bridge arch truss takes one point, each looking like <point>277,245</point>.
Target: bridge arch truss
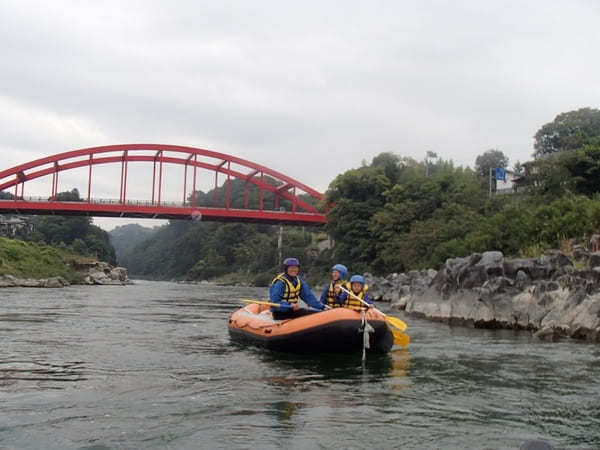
<point>302,200</point>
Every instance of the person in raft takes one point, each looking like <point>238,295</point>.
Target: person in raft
<point>359,288</point>
<point>332,292</point>
<point>286,288</point>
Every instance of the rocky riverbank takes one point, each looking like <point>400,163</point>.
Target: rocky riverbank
<point>92,273</point>
<point>555,295</point>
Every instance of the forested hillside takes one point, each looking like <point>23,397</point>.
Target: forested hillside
<point>125,237</point>
<point>200,251</point>
<point>392,214</point>
<point>69,233</point>
<point>235,251</point>
<point>397,214</point>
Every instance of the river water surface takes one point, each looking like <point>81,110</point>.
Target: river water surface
<point>151,366</point>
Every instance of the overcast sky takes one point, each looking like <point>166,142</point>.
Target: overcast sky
<point>310,89</point>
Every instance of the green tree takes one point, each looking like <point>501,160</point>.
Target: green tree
<point>79,246</point>
<point>65,230</point>
<point>390,163</point>
<point>69,196</point>
<point>518,167</point>
<point>574,171</point>
<point>390,216</point>
<point>568,131</point>
<point>423,212</point>
<point>490,159</point>
<point>357,195</point>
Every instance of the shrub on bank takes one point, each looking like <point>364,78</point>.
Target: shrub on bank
<point>35,260</point>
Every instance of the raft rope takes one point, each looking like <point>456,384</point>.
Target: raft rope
<point>366,328</point>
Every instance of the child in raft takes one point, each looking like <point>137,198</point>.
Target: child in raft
<point>359,288</point>
<point>332,291</point>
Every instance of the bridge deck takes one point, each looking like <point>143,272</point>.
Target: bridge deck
<point>145,209</point>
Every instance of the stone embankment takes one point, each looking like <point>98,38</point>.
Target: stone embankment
<point>93,273</point>
<point>555,295</point>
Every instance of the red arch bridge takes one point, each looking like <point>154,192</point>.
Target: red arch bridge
<point>268,196</point>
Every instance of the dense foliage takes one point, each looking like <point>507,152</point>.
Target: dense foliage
<point>78,234</point>
<point>490,160</point>
<point>394,214</point>
<point>36,260</point>
<point>125,237</point>
<point>398,214</point>
<point>234,252</point>
<point>569,131</point>
<point>391,216</point>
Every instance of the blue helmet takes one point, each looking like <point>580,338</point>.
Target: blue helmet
<point>291,262</point>
<point>342,269</point>
<point>357,279</point>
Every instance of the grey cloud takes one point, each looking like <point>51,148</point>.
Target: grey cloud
<point>288,84</point>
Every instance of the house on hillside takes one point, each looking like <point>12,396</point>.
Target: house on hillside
<point>10,225</point>
<point>514,182</point>
<point>526,178</point>
<point>509,184</point>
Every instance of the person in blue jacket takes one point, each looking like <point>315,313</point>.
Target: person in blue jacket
<point>332,291</point>
<point>359,289</point>
<point>286,288</point>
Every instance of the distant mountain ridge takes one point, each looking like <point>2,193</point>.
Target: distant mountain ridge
<point>126,237</point>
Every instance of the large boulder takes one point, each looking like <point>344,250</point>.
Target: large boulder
<point>533,267</point>
<point>580,253</point>
<point>104,274</point>
<point>55,282</point>
<point>7,281</point>
<point>29,282</point>
<point>119,273</point>
<point>492,263</point>
<point>401,279</point>
<point>522,279</point>
<point>594,260</point>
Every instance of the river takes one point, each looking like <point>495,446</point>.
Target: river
<point>151,366</point>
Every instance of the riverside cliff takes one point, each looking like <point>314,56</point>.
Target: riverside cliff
<point>555,295</point>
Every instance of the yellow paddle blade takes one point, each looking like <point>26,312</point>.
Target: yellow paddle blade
<point>397,323</point>
<point>400,338</point>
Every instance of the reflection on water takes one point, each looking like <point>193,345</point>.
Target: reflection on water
<point>342,367</point>
<point>152,366</point>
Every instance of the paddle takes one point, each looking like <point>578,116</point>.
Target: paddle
<point>400,338</point>
<point>260,302</point>
<point>276,305</point>
<point>394,321</point>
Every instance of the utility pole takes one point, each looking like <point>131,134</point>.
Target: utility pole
<point>279,245</point>
<point>429,155</point>
<point>490,182</point>
<point>280,240</point>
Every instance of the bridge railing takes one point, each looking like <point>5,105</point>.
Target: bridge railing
<point>115,201</point>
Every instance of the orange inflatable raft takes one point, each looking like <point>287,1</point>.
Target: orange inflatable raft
<point>336,330</point>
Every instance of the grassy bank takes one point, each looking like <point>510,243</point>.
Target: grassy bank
<point>37,260</point>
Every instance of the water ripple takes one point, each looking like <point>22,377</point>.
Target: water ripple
<point>152,366</point>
